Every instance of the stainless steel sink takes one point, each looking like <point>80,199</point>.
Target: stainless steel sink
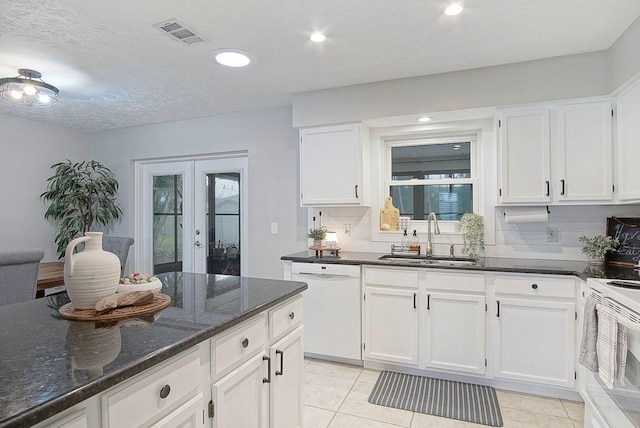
<point>428,260</point>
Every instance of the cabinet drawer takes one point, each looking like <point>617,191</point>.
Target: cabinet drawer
<point>232,347</point>
<point>536,286</point>
<point>136,403</point>
<point>393,277</point>
<point>284,318</point>
<point>468,282</point>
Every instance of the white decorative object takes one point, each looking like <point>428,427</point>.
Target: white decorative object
<point>92,274</point>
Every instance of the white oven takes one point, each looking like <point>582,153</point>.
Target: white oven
<point>618,407</point>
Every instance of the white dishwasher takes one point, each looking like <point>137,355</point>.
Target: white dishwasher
<point>332,313</point>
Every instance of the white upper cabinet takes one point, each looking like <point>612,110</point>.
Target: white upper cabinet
<point>525,171</point>
<point>334,166</point>
<point>628,146</point>
<point>556,155</point>
<point>584,157</point>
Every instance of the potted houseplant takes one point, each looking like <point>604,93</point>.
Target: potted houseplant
<point>596,247</point>
<point>317,235</point>
<point>473,235</point>
<point>81,196</point>
<point>218,250</point>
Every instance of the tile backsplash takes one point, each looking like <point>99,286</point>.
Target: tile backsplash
<point>519,240</point>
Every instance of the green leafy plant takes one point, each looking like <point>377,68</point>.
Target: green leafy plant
<point>81,195</point>
<point>597,246</point>
<point>473,235</point>
<point>317,234</point>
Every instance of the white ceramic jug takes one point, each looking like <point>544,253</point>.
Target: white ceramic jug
<point>91,274</point>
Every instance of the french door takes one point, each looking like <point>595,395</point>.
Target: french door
<point>192,216</point>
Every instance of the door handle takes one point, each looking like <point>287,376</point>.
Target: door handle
<point>498,308</point>
<point>562,186</point>
<point>281,371</point>
<point>268,378</point>
<point>415,304</point>
<point>356,191</point>
<point>198,244</point>
<point>546,183</point>
<point>428,302</point>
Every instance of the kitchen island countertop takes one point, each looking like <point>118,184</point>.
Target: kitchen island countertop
<point>41,353</point>
<point>582,270</point>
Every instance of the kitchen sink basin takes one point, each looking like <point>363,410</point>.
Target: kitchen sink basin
<point>428,260</point>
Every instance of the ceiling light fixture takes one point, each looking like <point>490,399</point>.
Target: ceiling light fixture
<point>318,37</point>
<point>424,119</point>
<point>232,57</point>
<point>25,89</point>
<point>453,9</point>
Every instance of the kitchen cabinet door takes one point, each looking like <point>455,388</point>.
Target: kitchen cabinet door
<point>334,166</point>
<point>627,147</point>
<point>525,169</point>
<point>533,341</point>
<point>584,158</point>
<point>391,325</point>
<point>240,399</point>
<point>287,371</point>
<point>455,332</point>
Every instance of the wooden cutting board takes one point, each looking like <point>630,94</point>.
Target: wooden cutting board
<point>389,215</point>
<point>160,301</point>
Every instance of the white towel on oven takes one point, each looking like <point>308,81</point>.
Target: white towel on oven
<point>621,358</point>
<point>588,352</point>
<point>607,345</point>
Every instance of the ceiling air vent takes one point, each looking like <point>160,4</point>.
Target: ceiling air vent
<point>178,32</point>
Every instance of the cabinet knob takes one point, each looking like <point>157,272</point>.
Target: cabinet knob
<point>534,286</point>
<point>164,391</point>
<point>292,315</point>
<point>245,343</point>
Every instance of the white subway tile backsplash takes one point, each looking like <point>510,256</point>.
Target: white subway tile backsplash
<point>519,240</point>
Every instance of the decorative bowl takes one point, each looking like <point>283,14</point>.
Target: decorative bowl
<point>154,286</point>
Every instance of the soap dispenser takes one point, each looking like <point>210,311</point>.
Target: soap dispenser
<point>404,244</point>
<point>414,244</point>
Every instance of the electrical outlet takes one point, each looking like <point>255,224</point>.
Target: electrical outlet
<point>552,234</point>
<point>346,229</point>
<point>274,228</point>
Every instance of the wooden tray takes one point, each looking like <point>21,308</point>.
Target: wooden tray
<point>160,301</point>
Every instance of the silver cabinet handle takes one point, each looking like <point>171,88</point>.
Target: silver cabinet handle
<point>268,378</point>
<point>281,371</point>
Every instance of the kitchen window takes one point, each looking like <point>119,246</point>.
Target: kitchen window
<point>432,174</point>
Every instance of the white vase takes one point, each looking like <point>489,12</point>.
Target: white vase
<point>92,274</point>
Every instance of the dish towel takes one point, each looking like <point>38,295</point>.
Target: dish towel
<point>621,360</point>
<point>588,346</point>
<point>607,345</point>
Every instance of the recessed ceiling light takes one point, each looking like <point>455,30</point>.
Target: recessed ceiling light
<point>424,119</point>
<point>232,57</point>
<point>453,9</point>
<point>318,37</point>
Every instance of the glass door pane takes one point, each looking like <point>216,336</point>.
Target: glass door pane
<point>223,223</point>
<point>167,223</point>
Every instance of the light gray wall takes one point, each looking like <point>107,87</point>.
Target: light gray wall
<point>566,77</point>
<point>273,172</point>
<point>29,148</point>
<point>625,56</point>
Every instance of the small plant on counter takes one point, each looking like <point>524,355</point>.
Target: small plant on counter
<point>473,235</point>
<point>598,246</point>
<point>317,234</point>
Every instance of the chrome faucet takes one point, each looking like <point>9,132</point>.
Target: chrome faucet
<point>436,230</point>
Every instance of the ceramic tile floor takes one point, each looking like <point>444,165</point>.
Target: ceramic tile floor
<point>335,396</point>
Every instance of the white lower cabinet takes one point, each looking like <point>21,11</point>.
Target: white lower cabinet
<point>391,325</point>
<point>262,388</point>
<point>533,329</point>
<point>285,389</point>
<point>455,332</point>
<point>189,415</point>
<point>454,322</point>
<point>240,399</point>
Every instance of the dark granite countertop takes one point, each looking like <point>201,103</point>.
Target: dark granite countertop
<point>48,364</point>
<point>493,264</point>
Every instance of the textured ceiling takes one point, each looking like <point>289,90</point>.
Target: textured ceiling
<point>115,70</point>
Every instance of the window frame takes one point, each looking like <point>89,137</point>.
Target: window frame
<point>433,139</point>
